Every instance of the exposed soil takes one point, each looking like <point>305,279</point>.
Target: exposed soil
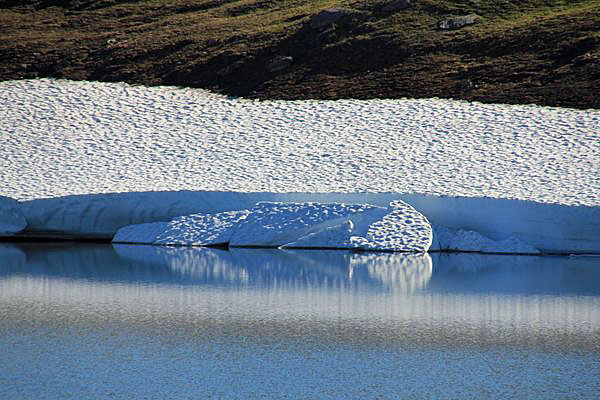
<point>546,55</point>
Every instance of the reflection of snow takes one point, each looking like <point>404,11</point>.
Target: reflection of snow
<point>11,256</point>
<point>189,264</point>
<point>201,265</point>
<point>406,272</point>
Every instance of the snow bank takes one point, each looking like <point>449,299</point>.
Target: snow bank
<point>496,176</point>
<point>549,228</point>
<point>62,138</point>
<point>11,217</point>
<point>294,225</point>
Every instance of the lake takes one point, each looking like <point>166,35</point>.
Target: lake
<point>126,321</point>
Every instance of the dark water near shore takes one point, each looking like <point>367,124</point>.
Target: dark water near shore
<point>91,321</point>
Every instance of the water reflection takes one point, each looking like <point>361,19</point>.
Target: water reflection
<point>447,299</point>
<point>440,272</point>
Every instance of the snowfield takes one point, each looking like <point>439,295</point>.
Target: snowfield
<point>484,175</point>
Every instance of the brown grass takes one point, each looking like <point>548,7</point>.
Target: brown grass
<point>545,52</point>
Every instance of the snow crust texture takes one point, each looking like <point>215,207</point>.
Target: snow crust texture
<point>61,137</point>
<point>293,225</point>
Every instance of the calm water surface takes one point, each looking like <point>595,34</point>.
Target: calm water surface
<point>100,321</point>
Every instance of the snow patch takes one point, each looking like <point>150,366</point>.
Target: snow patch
<point>61,138</point>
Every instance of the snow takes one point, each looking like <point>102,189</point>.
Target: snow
<point>11,217</point>
<point>293,225</point>
<point>277,224</point>
<point>61,137</point>
<point>404,229</point>
<point>199,229</point>
<point>147,233</point>
<point>464,240</point>
<point>494,176</point>
<point>550,228</point>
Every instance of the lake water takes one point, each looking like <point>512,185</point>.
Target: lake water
<point>89,321</point>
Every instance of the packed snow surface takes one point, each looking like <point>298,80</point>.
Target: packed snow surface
<point>294,225</point>
<point>488,177</point>
<point>61,137</point>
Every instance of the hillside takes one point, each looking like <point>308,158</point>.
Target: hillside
<point>541,51</point>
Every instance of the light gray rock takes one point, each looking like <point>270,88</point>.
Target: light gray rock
<point>328,17</point>
<point>458,22</point>
<point>279,63</point>
<point>397,5</point>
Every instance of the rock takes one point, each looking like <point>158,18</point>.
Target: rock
<point>466,85</point>
<point>279,63</point>
<point>396,5</point>
<point>328,17</point>
<point>230,68</point>
<point>458,22</point>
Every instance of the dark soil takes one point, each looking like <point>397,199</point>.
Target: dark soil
<point>546,53</point>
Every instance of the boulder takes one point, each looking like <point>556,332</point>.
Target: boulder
<point>279,63</point>
<point>397,5</point>
<point>457,22</point>
<point>328,17</point>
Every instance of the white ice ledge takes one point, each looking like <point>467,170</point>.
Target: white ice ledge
<point>293,225</point>
<point>459,223</point>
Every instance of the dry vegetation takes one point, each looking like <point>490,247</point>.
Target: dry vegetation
<point>545,52</point>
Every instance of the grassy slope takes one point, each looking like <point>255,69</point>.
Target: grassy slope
<point>540,51</point>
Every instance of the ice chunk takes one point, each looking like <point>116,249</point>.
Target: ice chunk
<point>273,224</point>
<point>141,233</point>
<point>334,237</point>
<point>404,229</point>
<point>202,229</point>
<point>468,240</point>
<point>11,217</point>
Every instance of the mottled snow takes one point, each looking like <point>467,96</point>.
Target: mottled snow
<point>276,224</point>
<point>202,229</point>
<point>61,137</point>
<point>294,225</point>
<point>403,229</point>
<point>337,236</point>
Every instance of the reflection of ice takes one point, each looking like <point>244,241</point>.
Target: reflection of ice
<point>11,256</point>
<point>195,264</point>
<point>405,272</point>
<point>336,294</point>
<point>478,273</point>
<point>290,268</point>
